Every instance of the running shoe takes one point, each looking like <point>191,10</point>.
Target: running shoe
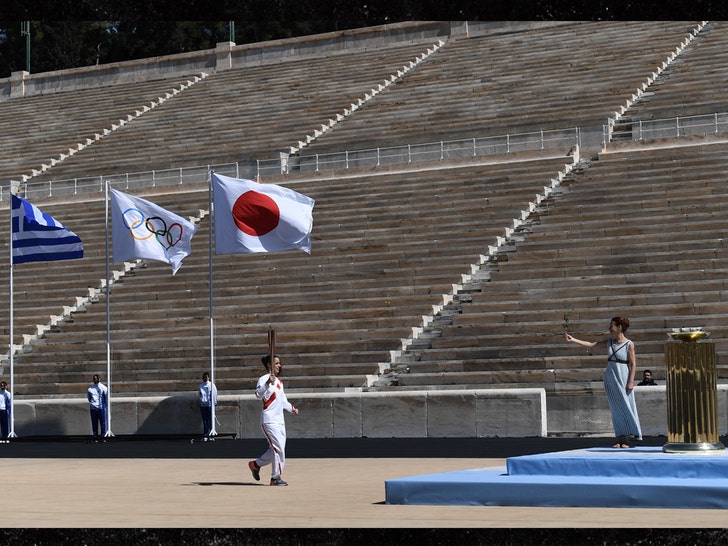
<point>277,481</point>
<point>255,470</point>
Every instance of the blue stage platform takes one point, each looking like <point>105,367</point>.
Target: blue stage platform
<point>637,477</point>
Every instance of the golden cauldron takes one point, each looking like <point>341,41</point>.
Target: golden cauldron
<point>692,409</point>
<point>688,334</point>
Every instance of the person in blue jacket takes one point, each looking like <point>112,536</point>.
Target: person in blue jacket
<point>5,408</point>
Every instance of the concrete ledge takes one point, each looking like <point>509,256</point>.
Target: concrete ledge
<point>412,414</point>
<point>508,413</point>
<point>588,414</point>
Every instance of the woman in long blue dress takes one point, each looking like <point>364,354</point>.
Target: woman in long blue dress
<point>619,380</point>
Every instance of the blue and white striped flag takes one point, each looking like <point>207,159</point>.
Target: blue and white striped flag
<point>37,237</point>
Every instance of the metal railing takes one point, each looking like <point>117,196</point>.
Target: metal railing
<point>285,164</point>
<point>707,124</point>
<point>437,151</point>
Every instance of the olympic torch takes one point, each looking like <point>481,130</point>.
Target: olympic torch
<point>272,350</point>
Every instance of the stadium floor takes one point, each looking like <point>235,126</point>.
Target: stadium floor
<point>172,482</point>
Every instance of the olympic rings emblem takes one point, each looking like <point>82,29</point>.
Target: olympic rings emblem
<point>142,228</point>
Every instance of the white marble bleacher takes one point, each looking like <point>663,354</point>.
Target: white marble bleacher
<point>569,75</point>
<point>695,85</point>
<point>253,112</point>
<point>313,305</point>
<point>41,127</point>
<point>640,234</point>
<point>350,302</point>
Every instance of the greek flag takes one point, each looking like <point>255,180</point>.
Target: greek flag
<point>37,237</point>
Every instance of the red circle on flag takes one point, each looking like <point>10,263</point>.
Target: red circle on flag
<point>255,213</point>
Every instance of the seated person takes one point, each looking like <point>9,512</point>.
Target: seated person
<point>646,379</point>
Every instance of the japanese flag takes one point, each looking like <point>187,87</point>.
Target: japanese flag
<point>252,217</point>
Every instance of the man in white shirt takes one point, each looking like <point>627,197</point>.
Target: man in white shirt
<point>208,397</point>
<point>270,391</point>
<point>97,395</point>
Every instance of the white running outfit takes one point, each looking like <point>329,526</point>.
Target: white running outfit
<point>274,425</point>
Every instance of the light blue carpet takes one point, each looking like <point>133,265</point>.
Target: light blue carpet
<point>637,477</point>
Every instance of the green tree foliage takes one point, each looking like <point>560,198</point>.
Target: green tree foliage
<point>139,40</point>
<point>138,29</point>
<point>56,45</point>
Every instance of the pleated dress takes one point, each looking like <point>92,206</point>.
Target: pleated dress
<point>622,406</point>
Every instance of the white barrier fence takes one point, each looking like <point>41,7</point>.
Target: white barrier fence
<point>708,124</point>
<point>288,164</point>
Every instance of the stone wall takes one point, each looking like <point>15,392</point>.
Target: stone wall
<point>416,414</point>
<point>589,414</point>
<point>512,413</point>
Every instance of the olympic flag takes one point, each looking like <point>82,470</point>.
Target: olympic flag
<point>38,237</point>
<point>252,217</point>
<point>141,229</point>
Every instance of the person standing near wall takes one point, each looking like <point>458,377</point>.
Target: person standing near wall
<point>208,396</point>
<point>98,395</point>
<point>619,380</point>
<point>270,390</point>
<point>5,409</point>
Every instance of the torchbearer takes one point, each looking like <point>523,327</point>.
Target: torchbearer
<point>270,390</point>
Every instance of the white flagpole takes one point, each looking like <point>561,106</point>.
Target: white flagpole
<point>11,434</point>
<point>108,324</point>
<point>213,430</point>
